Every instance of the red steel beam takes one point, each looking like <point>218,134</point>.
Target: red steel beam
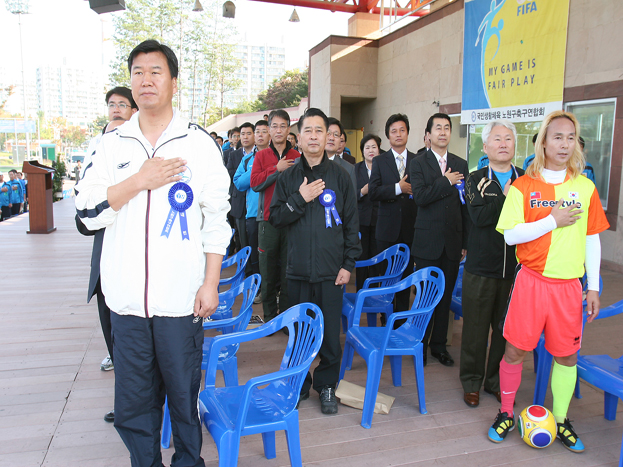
<point>342,7</point>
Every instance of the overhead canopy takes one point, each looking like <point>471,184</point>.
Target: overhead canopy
<point>405,7</point>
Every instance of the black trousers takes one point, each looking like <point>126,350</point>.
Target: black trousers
<point>104,313</point>
<point>484,302</point>
<point>328,297</point>
<point>369,250</point>
<point>15,209</point>
<point>401,299</point>
<point>252,239</point>
<point>6,212</point>
<point>153,357</point>
<point>437,331</point>
<point>273,258</point>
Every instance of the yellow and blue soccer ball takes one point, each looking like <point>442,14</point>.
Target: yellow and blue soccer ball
<point>537,426</point>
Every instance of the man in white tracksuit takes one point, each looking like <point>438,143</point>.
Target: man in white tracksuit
<point>159,187</point>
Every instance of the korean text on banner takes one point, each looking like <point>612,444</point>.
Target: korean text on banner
<point>514,59</point>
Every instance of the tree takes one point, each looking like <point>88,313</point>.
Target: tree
<point>286,91</point>
<point>74,135</point>
<point>201,40</point>
<point>142,20</point>
<point>5,94</point>
<point>97,125</point>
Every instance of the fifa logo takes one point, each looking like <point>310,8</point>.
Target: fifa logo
<point>525,7</point>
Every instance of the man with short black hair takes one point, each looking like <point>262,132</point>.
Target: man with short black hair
<point>342,152</point>
<point>238,197</point>
<point>121,107</point>
<point>16,193</point>
<point>323,243</point>
<point>234,139</point>
<point>293,141</point>
<point>268,165</point>
<point>160,212</point>
<point>336,130</point>
<point>262,135</point>
<point>442,223</point>
<point>390,186</point>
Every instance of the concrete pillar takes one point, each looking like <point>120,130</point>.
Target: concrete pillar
<point>361,24</point>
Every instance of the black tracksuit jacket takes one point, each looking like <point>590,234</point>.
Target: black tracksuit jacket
<point>488,254</point>
<point>316,253</point>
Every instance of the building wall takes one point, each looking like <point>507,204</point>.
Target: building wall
<point>419,72</point>
<point>70,92</point>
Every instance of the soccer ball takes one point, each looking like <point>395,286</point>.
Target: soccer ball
<point>537,426</point>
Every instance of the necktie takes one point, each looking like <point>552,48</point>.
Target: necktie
<point>442,165</point>
<point>401,166</point>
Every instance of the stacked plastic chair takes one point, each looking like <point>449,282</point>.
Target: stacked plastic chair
<point>227,361</point>
<point>397,257</point>
<point>265,403</point>
<point>374,343</point>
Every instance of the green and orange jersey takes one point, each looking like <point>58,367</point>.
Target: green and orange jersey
<point>560,253</point>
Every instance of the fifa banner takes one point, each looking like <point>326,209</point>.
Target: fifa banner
<point>513,59</point>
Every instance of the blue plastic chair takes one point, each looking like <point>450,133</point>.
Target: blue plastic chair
<point>456,305</point>
<point>265,403</point>
<point>605,373</point>
<point>543,364</point>
<point>240,260</point>
<point>397,257</point>
<point>373,344</point>
<point>227,360</point>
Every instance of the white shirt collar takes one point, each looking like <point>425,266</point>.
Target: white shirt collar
<point>438,157</point>
<point>403,154</point>
<point>163,136</point>
<point>332,157</point>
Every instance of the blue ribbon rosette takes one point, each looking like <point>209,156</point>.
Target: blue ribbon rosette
<point>327,199</point>
<point>461,187</point>
<point>180,199</point>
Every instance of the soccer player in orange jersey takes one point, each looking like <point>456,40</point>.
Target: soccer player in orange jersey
<point>554,216</point>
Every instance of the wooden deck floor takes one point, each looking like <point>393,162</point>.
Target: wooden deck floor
<point>53,395</point>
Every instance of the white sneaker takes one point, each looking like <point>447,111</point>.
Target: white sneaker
<point>107,364</point>
<point>258,298</point>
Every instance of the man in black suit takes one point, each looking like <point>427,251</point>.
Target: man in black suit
<point>336,130</point>
<point>441,227</point>
<point>426,146</point>
<point>390,185</point>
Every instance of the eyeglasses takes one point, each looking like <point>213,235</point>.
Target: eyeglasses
<point>279,127</point>
<point>121,105</point>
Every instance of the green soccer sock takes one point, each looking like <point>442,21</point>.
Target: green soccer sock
<point>563,384</point>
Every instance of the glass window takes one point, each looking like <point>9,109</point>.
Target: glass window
<point>596,119</point>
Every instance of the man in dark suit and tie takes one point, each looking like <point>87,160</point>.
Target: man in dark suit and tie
<point>441,227</point>
<point>390,185</point>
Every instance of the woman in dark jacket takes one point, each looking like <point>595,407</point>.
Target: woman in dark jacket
<point>370,147</point>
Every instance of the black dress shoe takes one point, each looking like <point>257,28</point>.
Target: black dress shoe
<point>110,416</point>
<point>444,358</point>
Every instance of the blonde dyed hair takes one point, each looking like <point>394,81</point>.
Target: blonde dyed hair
<point>575,165</point>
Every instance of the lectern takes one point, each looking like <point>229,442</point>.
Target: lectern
<point>40,197</point>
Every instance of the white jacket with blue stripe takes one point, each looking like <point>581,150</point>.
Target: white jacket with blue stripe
<point>143,272</point>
